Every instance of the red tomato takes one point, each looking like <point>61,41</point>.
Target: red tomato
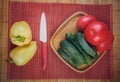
<point>96,32</point>
<point>106,44</point>
<point>84,21</point>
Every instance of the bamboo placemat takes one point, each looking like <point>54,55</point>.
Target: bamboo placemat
<point>56,14</point>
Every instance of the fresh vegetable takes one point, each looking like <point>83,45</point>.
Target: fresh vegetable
<point>68,58</point>
<point>86,47</point>
<point>20,33</point>
<point>105,45</point>
<point>88,59</point>
<point>96,32</point>
<point>84,21</point>
<point>69,49</point>
<point>70,37</point>
<point>21,55</point>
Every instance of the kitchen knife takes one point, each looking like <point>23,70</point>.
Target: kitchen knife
<point>43,39</point>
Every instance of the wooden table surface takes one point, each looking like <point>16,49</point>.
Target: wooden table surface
<point>4,32</point>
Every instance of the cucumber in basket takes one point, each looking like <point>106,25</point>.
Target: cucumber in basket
<point>69,49</point>
<point>68,59</point>
<point>86,47</point>
<point>70,37</point>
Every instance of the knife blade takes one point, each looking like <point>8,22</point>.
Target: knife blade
<point>43,39</point>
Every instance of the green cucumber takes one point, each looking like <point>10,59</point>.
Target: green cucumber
<point>69,49</point>
<point>86,47</point>
<point>68,59</point>
<point>70,37</point>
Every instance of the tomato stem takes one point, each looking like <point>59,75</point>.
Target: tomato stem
<point>92,32</point>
